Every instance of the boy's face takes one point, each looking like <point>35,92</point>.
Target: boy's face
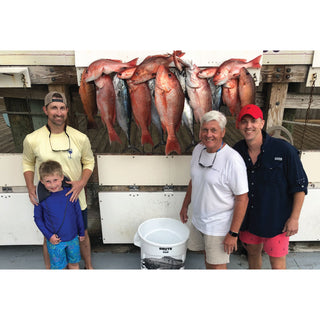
<point>53,182</point>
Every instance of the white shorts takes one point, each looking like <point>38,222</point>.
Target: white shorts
<point>212,245</point>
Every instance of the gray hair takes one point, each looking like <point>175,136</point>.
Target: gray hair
<point>214,115</point>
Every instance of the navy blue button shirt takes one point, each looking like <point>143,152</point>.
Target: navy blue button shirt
<point>274,178</point>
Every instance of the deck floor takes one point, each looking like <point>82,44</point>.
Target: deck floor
<point>124,257</point>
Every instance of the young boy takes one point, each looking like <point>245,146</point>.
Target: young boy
<point>59,219</point>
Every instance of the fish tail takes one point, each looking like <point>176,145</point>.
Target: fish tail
<point>146,138</point>
<point>178,53</point>
<point>91,124</point>
<point>255,63</point>
<point>172,145</point>
<point>113,136</point>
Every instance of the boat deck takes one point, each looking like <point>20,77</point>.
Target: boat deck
<point>127,257</point>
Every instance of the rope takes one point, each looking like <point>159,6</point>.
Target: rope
<point>314,78</point>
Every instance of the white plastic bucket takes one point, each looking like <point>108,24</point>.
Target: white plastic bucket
<point>163,243</point>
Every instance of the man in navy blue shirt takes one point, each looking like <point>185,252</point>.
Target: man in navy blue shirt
<point>277,187</point>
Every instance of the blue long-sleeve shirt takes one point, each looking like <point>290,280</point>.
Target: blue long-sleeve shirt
<point>49,216</point>
<point>274,178</point>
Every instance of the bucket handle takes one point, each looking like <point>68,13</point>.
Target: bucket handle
<point>137,240</point>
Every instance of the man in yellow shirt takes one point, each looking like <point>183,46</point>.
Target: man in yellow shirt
<point>71,148</point>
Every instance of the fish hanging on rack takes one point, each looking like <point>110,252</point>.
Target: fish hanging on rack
<point>247,88</point>
<point>169,100</point>
<point>148,68</point>
<point>141,104</point>
<point>106,66</point>
<point>106,102</point>
<point>230,96</point>
<point>123,106</point>
<point>87,92</point>
<point>199,92</point>
<point>155,119</point>
<point>231,68</point>
<point>216,91</point>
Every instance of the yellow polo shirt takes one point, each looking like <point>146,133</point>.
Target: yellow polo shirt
<point>37,148</point>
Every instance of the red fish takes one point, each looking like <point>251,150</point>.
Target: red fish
<point>199,93</point>
<point>230,96</point>
<point>247,88</point>
<point>148,68</point>
<point>106,102</point>
<point>169,101</point>
<point>208,72</point>
<point>231,68</point>
<point>106,66</point>
<point>140,97</point>
<point>87,93</point>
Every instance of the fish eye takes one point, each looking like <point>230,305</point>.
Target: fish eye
<point>154,74</point>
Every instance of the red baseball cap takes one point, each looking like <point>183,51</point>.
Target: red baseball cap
<point>252,110</point>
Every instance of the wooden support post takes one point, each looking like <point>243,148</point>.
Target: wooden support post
<point>276,99</point>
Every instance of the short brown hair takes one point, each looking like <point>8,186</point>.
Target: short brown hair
<point>50,167</point>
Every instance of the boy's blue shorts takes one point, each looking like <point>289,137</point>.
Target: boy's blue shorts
<point>63,253</point>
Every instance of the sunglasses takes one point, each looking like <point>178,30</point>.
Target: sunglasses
<point>204,166</point>
<point>62,150</point>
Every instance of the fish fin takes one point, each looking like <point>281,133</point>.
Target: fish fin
<point>114,60</point>
<point>172,145</point>
<point>133,62</point>
<point>255,63</point>
<point>146,138</point>
<point>178,53</point>
<point>178,62</point>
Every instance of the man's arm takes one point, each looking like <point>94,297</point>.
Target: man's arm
<point>291,227</point>
<point>240,208</point>
<point>185,205</point>
<point>29,177</point>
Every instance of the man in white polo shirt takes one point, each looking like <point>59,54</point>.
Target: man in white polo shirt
<point>218,193</point>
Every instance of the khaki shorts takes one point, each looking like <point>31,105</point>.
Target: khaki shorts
<point>212,245</point>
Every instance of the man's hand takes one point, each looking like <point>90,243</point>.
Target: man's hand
<point>291,227</point>
<point>33,196</point>
<point>76,188</point>
<point>184,215</point>
<point>230,243</point>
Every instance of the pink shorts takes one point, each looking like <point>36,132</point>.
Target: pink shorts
<point>277,246</point>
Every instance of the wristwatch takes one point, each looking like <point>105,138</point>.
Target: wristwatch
<point>233,234</point>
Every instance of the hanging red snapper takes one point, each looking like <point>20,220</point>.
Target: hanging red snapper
<point>106,66</point>
<point>87,94</point>
<point>106,102</point>
<point>199,93</point>
<point>230,96</point>
<point>231,68</point>
<point>247,88</point>
<point>140,97</point>
<point>169,100</point>
<point>148,68</point>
